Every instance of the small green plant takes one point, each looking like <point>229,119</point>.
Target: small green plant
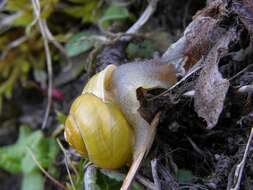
<point>17,159</point>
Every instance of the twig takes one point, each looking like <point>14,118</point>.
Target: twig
<point>136,163</point>
<point>155,174</point>
<point>240,72</point>
<point>148,184</point>
<point>192,186</point>
<point>191,72</point>
<point>142,19</point>
<point>150,9</point>
<point>66,163</point>
<point>44,171</point>
<point>195,147</point>
<point>52,39</point>
<point>42,26</point>
<point>2,4</point>
<point>8,19</point>
<point>240,167</point>
<point>246,89</point>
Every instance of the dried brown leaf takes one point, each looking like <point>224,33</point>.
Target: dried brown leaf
<point>244,10</point>
<point>211,10</point>
<point>201,35</point>
<point>211,87</point>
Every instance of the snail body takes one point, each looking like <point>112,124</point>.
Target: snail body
<point>126,79</point>
<point>104,123</point>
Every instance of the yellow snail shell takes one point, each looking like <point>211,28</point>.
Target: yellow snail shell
<point>96,127</point>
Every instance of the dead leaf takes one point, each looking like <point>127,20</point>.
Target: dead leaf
<point>244,10</point>
<point>201,35</point>
<point>211,87</point>
<point>211,10</point>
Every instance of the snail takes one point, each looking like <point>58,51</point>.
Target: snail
<point>117,85</point>
<point>104,123</point>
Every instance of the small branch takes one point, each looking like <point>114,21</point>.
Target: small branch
<point>66,161</point>
<point>145,182</point>
<point>136,163</point>
<point>142,20</point>
<point>240,167</point>
<point>52,39</point>
<point>246,89</point>
<point>155,174</point>
<point>44,171</point>
<point>196,67</point>
<point>240,72</point>
<point>195,147</point>
<point>2,4</point>
<point>42,25</point>
<point>7,20</point>
<point>150,9</point>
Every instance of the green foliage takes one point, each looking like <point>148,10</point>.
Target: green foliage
<point>24,19</point>
<point>184,176</point>
<point>16,158</point>
<point>112,13</point>
<point>24,11</point>
<point>79,43</point>
<point>114,181</point>
<point>14,5</point>
<point>17,61</point>
<point>78,179</point>
<point>86,10</point>
<point>61,117</point>
<point>108,180</point>
<point>33,180</point>
<point>90,11</point>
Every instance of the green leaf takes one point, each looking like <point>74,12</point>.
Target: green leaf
<point>113,174</point>
<point>16,158</point>
<point>79,43</point>
<point>61,117</point>
<point>25,18</point>
<point>113,12</point>
<point>11,156</point>
<point>107,183</point>
<point>15,5</point>
<point>84,11</point>
<point>78,1</point>
<point>33,180</point>
<point>110,180</point>
<point>51,155</point>
<point>184,175</point>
